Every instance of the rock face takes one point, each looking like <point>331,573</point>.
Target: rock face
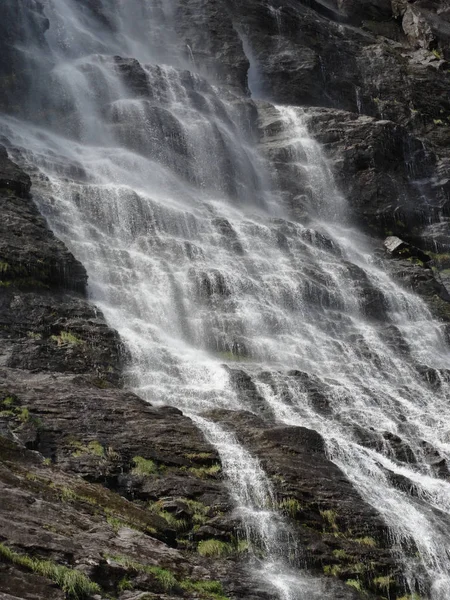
<point>385,60</point>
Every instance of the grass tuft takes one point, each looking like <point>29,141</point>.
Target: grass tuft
<point>206,472</point>
<point>330,517</point>
<point>166,578</point>
<point>290,506</point>
<point>74,583</point>
<point>143,466</point>
<point>179,525</point>
<point>208,589</point>
<point>354,583</point>
<point>215,548</point>
<point>65,338</point>
<point>366,541</point>
<point>383,583</point>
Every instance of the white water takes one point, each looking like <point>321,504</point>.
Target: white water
<point>194,257</point>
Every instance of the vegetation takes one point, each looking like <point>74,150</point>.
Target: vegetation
<point>124,584</point>
<point>290,506</point>
<point>383,583</point>
<point>215,548</point>
<point>330,516</point>
<point>354,583</point>
<point>65,338</point>
<point>199,455</point>
<point>333,570</point>
<point>9,401</point>
<point>34,336</point>
<point>205,472</point>
<point>164,577</point>
<point>208,589</point>
<point>199,511</point>
<point>93,448</point>
<point>366,541</point>
<point>143,467</point>
<point>340,554</point>
<point>75,584</point>
<point>9,407</point>
<point>179,525</point>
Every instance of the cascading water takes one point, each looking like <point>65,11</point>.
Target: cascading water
<point>152,177</point>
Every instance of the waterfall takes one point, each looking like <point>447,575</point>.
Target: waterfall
<point>266,531</point>
<point>152,176</point>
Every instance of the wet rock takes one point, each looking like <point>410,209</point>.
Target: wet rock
<point>414,275</point>
<point>30,255</point>
<point>12,178</point>
<point>212,41</point>
<point>427,24</point>
<point>323,504</point>
<point>248,392</point>
<point>396,247</point>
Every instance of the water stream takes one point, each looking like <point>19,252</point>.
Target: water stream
<point>153,178</point>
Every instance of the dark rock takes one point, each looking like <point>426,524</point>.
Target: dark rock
<point>423,281</point>
<point>30,255</point>
<point>207,28</point>
<point>12,178</point>
<point>398,248</point>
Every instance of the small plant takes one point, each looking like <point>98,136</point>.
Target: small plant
<point>115,523</point>
<point>124,584</point>
<point>199,455</point>
<point>9,401</point>
<point>23,415</point>
<point>166,578</point>
<point>383,583</point>
<point>205,472</point>
<point>340,554</point>
<point>214,548</point>
<point>34,336</point>
<point>330,517</point>
<point>437,54</point>
<point>199,511</point>
<point>7,413</point>
<point>65,338</point>
<point>242,546</point>
<point>366,541</point>
<point>143,467</point>
<point>333,570</point>
<point>208,589</point>
<point>179,525</point>
<point>290,506</point>
<point>68,495</point>
<point>93,448</point>
<point>354,583</point>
